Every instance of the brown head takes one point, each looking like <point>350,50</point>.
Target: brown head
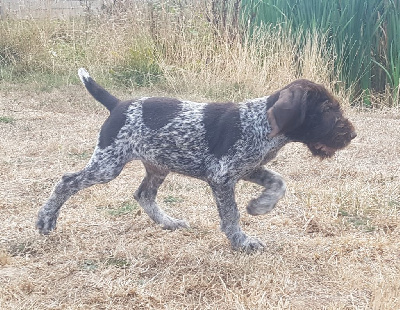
<point>306,112</point>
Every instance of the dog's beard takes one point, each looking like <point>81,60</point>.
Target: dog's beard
<point>321,150</point>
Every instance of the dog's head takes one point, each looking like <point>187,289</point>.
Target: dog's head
<point>306,112</point>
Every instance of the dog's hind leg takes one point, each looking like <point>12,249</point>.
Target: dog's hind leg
<point>102,168</point>
<point>275,188</point>
<point>146,195</point>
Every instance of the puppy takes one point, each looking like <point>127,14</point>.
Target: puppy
<point>220,143</point>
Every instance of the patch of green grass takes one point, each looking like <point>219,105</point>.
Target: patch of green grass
<point>172,199</point>
<point>394,204</point>
<point>42,81</point>
<point>122,263</point>
<point>88,265</point>
<point>126,208</point>
<point>357,221</point>
<point>91,265</point>
<point>7,120</point>
<point>342,212</point>
<point>82,155</point>
<point>22,248</point>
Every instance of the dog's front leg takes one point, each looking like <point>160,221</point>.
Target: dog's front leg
<point>224,195</point>
<point>275,188</point>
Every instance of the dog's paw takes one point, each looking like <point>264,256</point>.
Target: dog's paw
<point>252,244</point>
<point>45,224</point>
<point>260,206</point>
<point>171,223</point>
<point>241,242</point>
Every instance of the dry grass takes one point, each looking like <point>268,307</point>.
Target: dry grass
<point>170,49</point>
<point>332,243</point>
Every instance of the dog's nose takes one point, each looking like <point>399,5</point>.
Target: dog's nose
<point>353,135</point>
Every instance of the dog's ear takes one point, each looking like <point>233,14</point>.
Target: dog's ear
<point>289,110</point>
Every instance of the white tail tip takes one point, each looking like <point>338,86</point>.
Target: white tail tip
<point>83,75</point>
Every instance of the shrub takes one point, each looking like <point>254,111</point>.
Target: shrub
<point>139,67</point>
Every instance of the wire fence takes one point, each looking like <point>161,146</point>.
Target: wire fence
<point>48,8</point>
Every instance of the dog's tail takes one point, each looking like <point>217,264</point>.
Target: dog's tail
<point>98,92</point>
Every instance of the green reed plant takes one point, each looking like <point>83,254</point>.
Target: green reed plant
<point>364,35</point>
<point>391,40</point>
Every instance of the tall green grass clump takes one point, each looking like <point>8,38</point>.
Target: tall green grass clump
<point>139,67</point>
<point>364,36</point>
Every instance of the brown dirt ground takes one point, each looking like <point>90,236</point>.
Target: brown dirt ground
<point>332,242</point>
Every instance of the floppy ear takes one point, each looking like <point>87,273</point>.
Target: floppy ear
<point>288,112</point>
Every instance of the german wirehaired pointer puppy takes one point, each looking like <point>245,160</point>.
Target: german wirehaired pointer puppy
<point>220,143</point>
